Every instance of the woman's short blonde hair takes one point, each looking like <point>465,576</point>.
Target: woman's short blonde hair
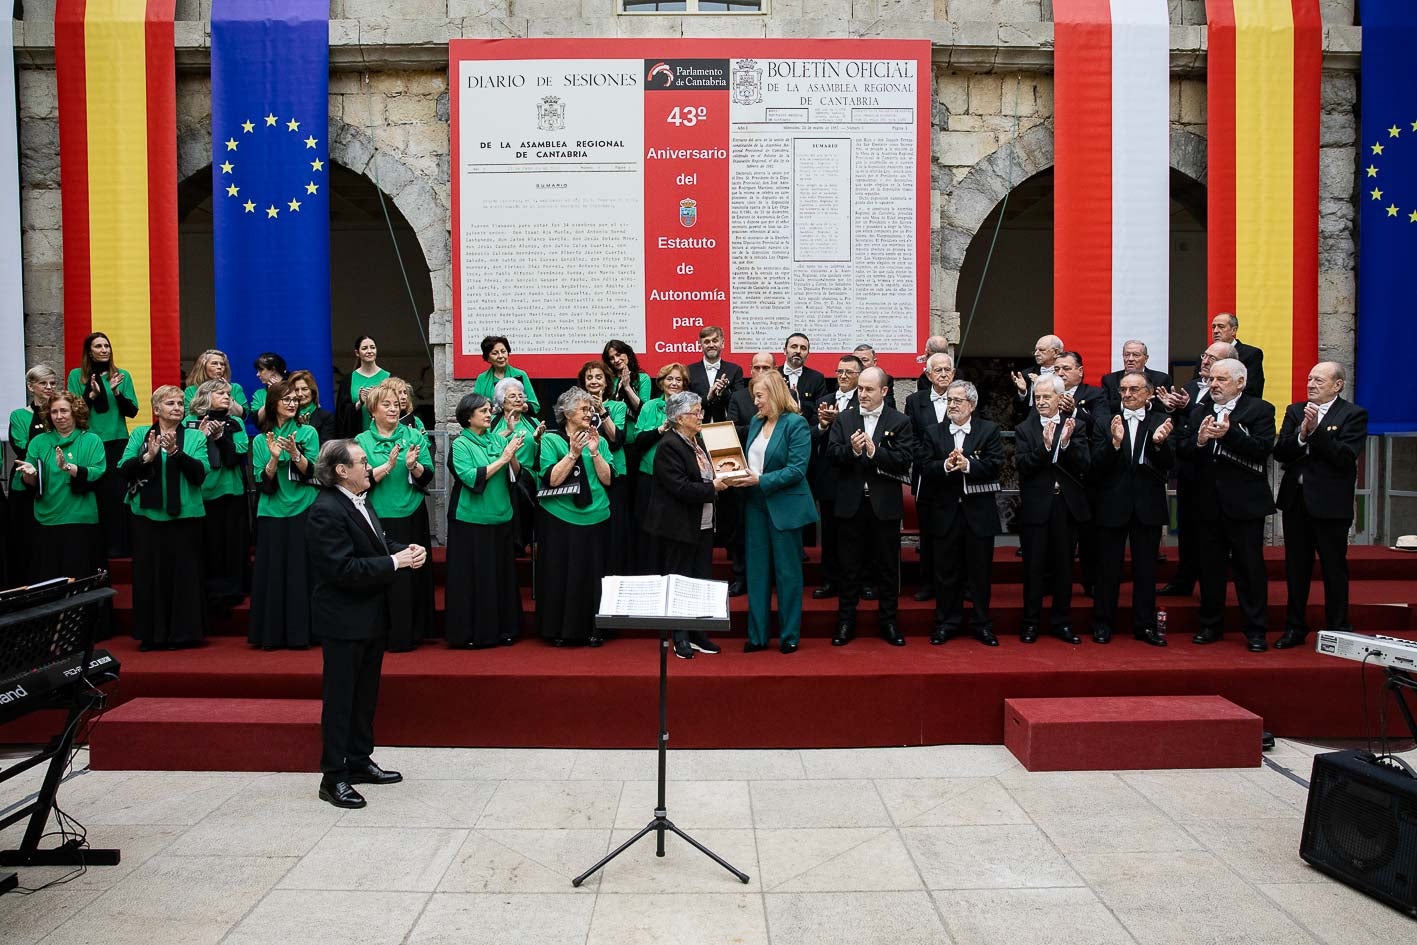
<point>779,400</point>
<point>202,401</point>
<point>162,393</point>
<point>389,387</point>
<point>198,374</point>
<point>673,367</point>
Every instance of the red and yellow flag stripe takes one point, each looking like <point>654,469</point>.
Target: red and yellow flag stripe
<point>117,82</point>
<point>1265,70</point>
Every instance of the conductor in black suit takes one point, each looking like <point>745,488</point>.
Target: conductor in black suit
<point>927,408</point>
<point>870,448</point>
<point>1128,479</point>
<point>351,568</point>
<point>1134,357</point>
<point>1319,443</point>
<point>713,378</point>
<point>958,462</point>
<point>1224,327</point>
<point>1229,439</point>
<point>1052,453</point>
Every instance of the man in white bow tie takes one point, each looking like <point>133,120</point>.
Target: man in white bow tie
<point>1046,352</point>
<point>926,408</point>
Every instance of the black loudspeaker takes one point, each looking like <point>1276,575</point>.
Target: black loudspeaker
<point>1360,826</point>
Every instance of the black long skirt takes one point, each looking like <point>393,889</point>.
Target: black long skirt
<point>169,597</point>
<point>523,513</point>
<point>411,594</point>
<point>280,584</point>
<point>484,603</point>
<point>622,527</point>
<point>570,561</point>
<point>644,550</point>
<point>226,550</point>
<point>74,551</point>
<point>113,512</point>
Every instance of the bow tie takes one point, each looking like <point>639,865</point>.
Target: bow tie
<point>792,372</point>
<point>358,500</point>
<point>1049,421</point>
<point>936,398</point>
<point>954,428</point>
<point>873,414</point>
<point>1045,370</point>
<point>1224,408</point>
<point>1139,415</point>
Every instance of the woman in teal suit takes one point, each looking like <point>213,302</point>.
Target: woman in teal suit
<point>779,506</point>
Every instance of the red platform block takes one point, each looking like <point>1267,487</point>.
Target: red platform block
<point>1110,733</point>
<point>160,734</point>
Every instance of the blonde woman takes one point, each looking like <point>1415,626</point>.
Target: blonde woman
<point>212,365</point>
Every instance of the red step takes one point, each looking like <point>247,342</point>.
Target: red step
<point>204,734</point>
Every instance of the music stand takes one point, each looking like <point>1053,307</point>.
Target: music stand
<point>660,822</point>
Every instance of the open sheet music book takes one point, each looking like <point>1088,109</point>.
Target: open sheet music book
<point>662,595</point>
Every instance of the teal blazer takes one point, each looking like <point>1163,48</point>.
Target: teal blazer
<point>783,483</point>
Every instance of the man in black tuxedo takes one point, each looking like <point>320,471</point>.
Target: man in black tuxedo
<point>1046,352</point>
<point>1088,405</point>
<point>806,385</point>
<point>352,565</point>
<point>822,472</point>
<point>1134,355</point>
<point>1230,439</point>
<point>730,503</point>
<point>867,355</point>
<point>935,344</point>
<point>958,463</point>
<point>1224,327</point>
<point>713,378</point>
<point>871,448</point>
<point>1179,403</point>
<point>1319,444</point>
<point>1128,480</point>
<point>926,408</point>
<point>1052,454</point>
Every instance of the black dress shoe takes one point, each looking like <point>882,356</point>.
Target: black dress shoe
<point>373,774</point>
<point>506,641</point>
<point>341,794</point>
<point>751,647</point>
<point>939,636</point>
<point>1289,639</point>
<point>1207,636</point>
<point>595,640</point>
<point>683,650</point>
<point>1174,590</point>
<point>1087,590</point>
<point>1066,634</point>
<point>845,630</point>
<point>1029,634</point>
<point>868,593</point>
<point>1149,637</point>
<point>1102,636</point>
<point>737,589</point>
<point>1256,645</point>
<point>891,634</point>
<point>558,642</point>
<point>987,638</point>
<point>786,647</point>
<point>826,590</point>
<point>925,593</point>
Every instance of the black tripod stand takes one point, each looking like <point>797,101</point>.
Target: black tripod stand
<point>660,822</point>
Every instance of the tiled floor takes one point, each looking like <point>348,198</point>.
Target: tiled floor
<point>953,844</point>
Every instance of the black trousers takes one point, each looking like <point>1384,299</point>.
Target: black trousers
<point>927,551</point>
<point>1048,563</point>
<point>831,544</point>
<point>1303,537</point>
<point>869,550</point>
<point>1111,547</point>
<point>1227,545</point>
<point>1188,527</point>
<point>1088,548</point>
<point>958,556</point>
<point>350,689</point>
<point>730,531</point>
<point>691,559</point>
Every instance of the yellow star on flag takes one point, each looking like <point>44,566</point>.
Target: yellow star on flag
<point>231,144</point>
<point>250,207</point>
<point>1377,194</point>
<point>247,127</point>
<point>312,188</point>
<point>316,164</point>
<point>294,205</point>
<point>1412,217</point>
<point>292,125</point>
<point>270,121</point>
<point>1414,126</point>
<point>1394,132</point>
<point>226,167</point>
<point>1392,210</point>
<point>310,142</point>
<point>232,190</point>
<point>1377,148</point>
<point>1372,171</point>
<point>272,212</point>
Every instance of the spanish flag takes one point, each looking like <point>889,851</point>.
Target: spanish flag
<point>117,82</point>
<point>1265,69</point>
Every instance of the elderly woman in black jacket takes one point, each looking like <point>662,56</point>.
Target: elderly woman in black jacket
<point>681,506</point>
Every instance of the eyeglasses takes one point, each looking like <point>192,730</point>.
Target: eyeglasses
<point>844,372</point>
<point>956,400</point>
<point>290,400</point>
<point>941,370</point>
<point>47,384</point>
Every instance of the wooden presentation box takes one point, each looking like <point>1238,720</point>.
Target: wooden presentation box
<point>725,452</point>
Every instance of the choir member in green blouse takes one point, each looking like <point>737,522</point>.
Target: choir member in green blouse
<point>650,426</point>
<point>351,405</point>
<point>226,532</point>
<point>572,524</point>
<point>484,604</point>
<point>270,367</point>
<point>311,413</point>
<point>627,382</point>
<point>107,391</point>
<point>61,467</point>
<point>497,352</point>
<point>165,466</point>
<point>212,365</point>
<point>402,470</point>
<point>615,429</point>
<point>510,417</point>
<point>41,382</point>
<point>283,458</point>
<point>406,415</point>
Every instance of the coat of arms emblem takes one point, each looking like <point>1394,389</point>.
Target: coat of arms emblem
<point>688,211</point>
<point>747,82</point>
<point>551,114</point>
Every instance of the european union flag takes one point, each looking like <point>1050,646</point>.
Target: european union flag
<point>1387,220</point>
<point>270,176</point>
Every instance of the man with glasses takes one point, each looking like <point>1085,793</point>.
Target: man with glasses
<point>823,474</point>
<point>927,408</point>
<point>1223,328</point>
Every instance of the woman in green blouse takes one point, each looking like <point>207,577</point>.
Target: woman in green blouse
<point>351,405</point>
<point>311,413</point>
<point>226,532</point>
<point>509,412</point>
<point>572,523</point>
<point>484,603</point>
<point>628,383</point>
<point>62,465</point>
<point>615,429</point>
<point>212,365</point>
<point>649,427</point>
<point>497,352</point>
<point>165,465</point>
<point>107,391</point>
<point>401,469</point>
<point>270,368</point>
<point>42,382</point>
<point>283,461</point>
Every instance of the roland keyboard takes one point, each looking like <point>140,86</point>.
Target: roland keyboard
<point>30,691</point>
<point>1387,652</point>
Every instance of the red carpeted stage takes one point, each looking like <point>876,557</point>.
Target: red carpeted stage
<point>864,694</point>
